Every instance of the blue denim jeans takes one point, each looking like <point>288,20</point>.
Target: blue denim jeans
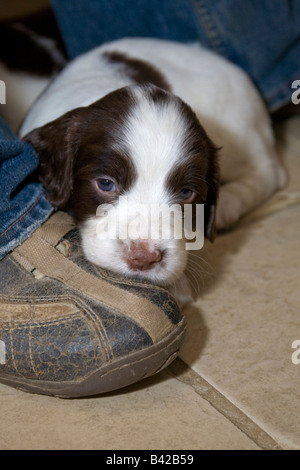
<point>262,36</point>
<point>23,205</point>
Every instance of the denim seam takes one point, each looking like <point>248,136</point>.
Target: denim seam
<point>209,27</point>
<point>23,215</point>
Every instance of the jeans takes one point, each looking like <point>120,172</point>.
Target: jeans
<point>261,36</point>
<point>23,205</point>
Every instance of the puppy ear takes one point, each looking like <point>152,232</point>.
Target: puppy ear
<point>213,182</point>
<point>55,146</point>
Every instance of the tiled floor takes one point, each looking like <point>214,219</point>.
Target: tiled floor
<point>235,385</point>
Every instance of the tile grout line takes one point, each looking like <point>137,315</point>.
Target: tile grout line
<point>182,372</point>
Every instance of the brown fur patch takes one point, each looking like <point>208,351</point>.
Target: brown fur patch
<point>138,70</point>
<point>198,170</point>
<point>80,147</point>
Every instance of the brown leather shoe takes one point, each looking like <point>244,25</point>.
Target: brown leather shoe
<point>71,329</point>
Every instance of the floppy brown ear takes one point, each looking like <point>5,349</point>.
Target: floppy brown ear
<point>55,147</point>
<point>210,205</point>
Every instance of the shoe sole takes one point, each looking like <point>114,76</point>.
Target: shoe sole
<point>110,377</point>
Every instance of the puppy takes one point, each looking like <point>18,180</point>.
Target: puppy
<point>143,120</point>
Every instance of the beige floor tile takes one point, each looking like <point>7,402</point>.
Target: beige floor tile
<point>242,327</point>
<point>161,414</point>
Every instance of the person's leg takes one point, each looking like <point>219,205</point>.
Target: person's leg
<point>261,36</point>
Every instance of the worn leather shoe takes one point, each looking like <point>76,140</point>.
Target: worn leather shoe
<point>71,329</point>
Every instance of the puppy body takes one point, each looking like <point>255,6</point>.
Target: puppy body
<point>103,117</point>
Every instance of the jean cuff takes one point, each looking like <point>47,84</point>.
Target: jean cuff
<point>26,222</point>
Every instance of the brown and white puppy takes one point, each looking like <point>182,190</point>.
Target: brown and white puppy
<point>123,121</point>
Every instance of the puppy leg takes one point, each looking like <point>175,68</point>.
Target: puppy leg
<point>244,194</point>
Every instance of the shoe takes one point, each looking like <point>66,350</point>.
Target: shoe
<point>71,329</point>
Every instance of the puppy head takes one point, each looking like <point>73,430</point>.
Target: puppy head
<point>141,145</point>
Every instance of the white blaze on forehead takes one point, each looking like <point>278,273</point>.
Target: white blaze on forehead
<point>155,135</point>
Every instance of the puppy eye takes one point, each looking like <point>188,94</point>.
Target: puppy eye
<point>187,194</point>
<point>107,185</point>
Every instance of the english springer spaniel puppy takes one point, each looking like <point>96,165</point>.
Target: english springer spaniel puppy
<point>156,123</point>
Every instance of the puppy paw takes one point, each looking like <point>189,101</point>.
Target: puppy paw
<point>229,209</point>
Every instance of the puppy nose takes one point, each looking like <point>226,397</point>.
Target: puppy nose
<point>143,257</point>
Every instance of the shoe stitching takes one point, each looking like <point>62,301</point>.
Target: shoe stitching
<point>142,359</point>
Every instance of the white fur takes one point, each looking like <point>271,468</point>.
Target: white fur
<point>227,105</point>
<point>154,139</point>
